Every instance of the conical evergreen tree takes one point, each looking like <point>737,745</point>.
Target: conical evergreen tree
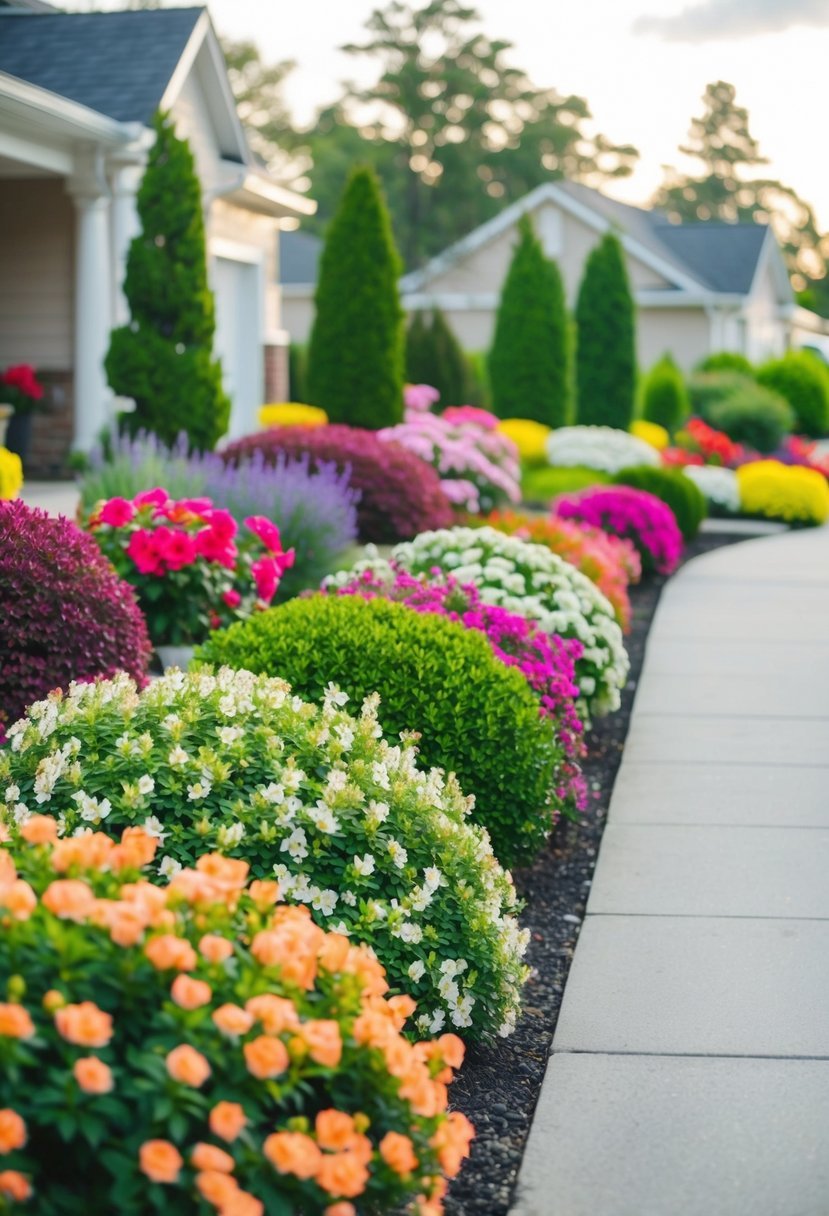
<point>529,361</point>
<point>418,361</point>
<point>164,357</point>
<point>664,395</point>
<point>356,352</point>
<point>606,342</point>
<point>434,356</point>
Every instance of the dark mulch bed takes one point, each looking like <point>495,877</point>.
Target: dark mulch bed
<point>499,1083</point>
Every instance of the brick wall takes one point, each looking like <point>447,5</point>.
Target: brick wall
<point>276,374</point>
<point>52,427</point>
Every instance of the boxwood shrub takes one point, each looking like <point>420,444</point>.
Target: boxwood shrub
<point>803,380</point>
<point>475,716</point>
<point>684,498</point>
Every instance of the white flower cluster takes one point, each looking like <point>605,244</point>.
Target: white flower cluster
<point>533,582</point>
<point>721,487</point>
<point>603,448</point>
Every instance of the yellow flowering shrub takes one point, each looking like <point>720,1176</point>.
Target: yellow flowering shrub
<point>529,437</point>
<point>291,413</point>
<point>651,432</point>
<point>780,491</point>
<point>11,474</point>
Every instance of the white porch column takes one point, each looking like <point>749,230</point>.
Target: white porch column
<point>125,225</point>
<point>93,302</point>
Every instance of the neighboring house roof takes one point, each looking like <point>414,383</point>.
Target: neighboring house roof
<point>118,63</point>
<point>299,255</point>
<point>724,256</point>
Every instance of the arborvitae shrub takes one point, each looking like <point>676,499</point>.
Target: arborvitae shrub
<point>163,358</point>
<point>529,363</point>
<point>434,356</point>
<point>803,379</point>
<point>356,351</point>
<point>725,361</point>
<point>671,485</point>
<point>664,396</point>
<point>606,343</point>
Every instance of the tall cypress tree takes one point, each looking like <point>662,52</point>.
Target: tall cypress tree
<point>529,360</point>
<point>164,357</point>
<point>355,356</point>
<point>606,341</point>
<point>434,356</point>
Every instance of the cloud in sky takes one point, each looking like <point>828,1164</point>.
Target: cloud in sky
<point>713,20</point>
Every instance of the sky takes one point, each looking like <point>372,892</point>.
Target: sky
<point>642,65</point>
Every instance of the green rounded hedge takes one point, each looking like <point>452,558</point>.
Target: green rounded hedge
<point>726,361</point>
<point>754,416</point>
<point>476,716</point>
<point>671,485</point>
<point>803,380</point>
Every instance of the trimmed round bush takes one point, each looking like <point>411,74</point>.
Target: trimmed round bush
<point>64,613</point>
<point>400,495</point>
<point>754,416</point>
<point>706,389</point>
<point>536,583</point>
<point>475,717</point>
<point>726,361</point>
<point>539,485</point>
<point>779,491</point>
<point>664,396</point>
<point>720,487</point>
<point>530,437</point>
<point>200,1047</point>
<point>803,380</point>
<point>598,447</point>
<point>685,500</point>
<point>633,514</point>
<point>349,825</point>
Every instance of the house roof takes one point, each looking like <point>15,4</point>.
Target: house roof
<point>299,255</point>
<point>118,63</point>
<point>723,256</point>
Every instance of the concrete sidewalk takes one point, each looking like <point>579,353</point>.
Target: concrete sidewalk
<point>690,1066</point>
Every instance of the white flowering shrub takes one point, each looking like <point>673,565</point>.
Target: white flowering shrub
<point>536,583</point>
<point>603,448</point>
<point>720,486</point>
<point>376,848</point>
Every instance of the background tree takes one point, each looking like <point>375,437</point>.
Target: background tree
<point>355,355</point>
<point>664,395</point>
<point>434,356</point>
<point>606,342</point>
<point>727,189</point>
<point>163,358</point>
<point>260,101</point>
<point>529,371</point>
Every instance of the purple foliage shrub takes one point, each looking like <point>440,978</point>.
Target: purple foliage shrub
<point>632,514</point>
<point>64,612</point>
<point>400,495</point>
<point>545,660</point>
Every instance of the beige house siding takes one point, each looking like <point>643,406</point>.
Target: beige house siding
<point>684,332</point>
<point>298,315</point>
<point>765,336</point>
<point>227,222</point>
<point>37,221</point>
<point>193,123</point>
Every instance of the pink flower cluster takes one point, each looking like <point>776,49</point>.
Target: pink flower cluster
<point>632,514</point>
<point>545,660</point>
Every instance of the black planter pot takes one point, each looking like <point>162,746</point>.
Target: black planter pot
<point>19,435</point>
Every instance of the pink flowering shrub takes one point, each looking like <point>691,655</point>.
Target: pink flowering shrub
<point>545,660</point>
<point>477,464</point>
<point>399,494</point>
<point>191,569</point>
<point>632,514</point>
<point>64,613</point>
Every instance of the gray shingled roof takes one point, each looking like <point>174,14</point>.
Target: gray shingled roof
<point>299,255</point>
<point>118,63</point>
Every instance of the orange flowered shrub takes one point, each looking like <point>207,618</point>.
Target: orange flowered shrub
<point>201,1047</point>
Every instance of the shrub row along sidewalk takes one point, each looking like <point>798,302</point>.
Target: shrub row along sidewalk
<point>690,1065</point>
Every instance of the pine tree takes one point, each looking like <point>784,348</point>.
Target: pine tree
<point>664,395</point>
<point>529,361</point>
<point>606,341</point>
<point>434,356</point>
<point>356,351</point>
<point>163,358</point>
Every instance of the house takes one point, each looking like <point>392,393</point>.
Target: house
<point>77,92</point>
<point>698,287</point>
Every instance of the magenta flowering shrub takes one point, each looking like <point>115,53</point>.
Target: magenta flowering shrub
<point>399,494</point>
<point>545,660</point>
<point>64,613</point>
<point>191,568</point>
<point>632,514</point>
<point>477,464</point>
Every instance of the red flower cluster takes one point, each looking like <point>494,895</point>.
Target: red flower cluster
<point>22,378</point>
<point>714,446</point>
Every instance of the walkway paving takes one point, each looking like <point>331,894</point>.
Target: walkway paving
<point>54,497</point>
<point>690,1065</point>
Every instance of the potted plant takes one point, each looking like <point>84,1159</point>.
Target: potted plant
<point>21,391</point>
<point>191,568</point>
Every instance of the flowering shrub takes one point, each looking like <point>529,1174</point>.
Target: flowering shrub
<point>183,560</point>
<point>476,463</point>
<point>21,388</point>
<point>399,494</point>
<point>632,514</point>
<point>720,487</point>
<point>608,561</point>
<point>713,446</point>
<point>350,826</point>
<point>598,447</point>
<point>11,474</point>
<point>316,508</point>
<point>795,449</point>
<point>473,716</point>
<point>420,396</point>
<point>777,491</point>
<point>535,583</point>
<point>546,662</point>
<point>685,500</point>
<point>651,432</point>
<point>291,413</point>
<point>202,1047</point>
<point>529,436</point>
<point>66,615</point>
